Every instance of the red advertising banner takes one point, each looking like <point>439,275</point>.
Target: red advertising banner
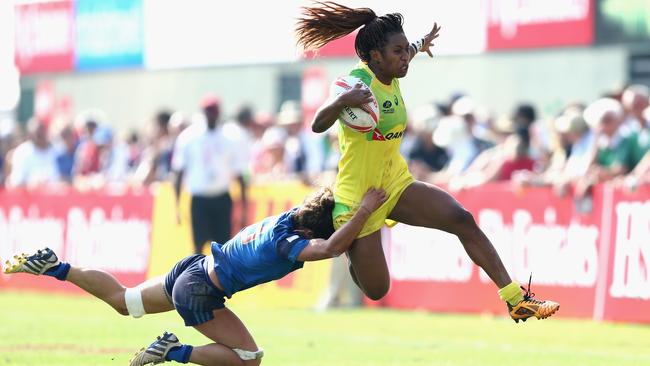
<point>44,36</point>
<point>91,230</point>
<point>626,293</point>
<point>533,231</point>
<point>539,23</point>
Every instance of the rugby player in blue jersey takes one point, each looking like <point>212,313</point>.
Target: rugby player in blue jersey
<point>198,285</point>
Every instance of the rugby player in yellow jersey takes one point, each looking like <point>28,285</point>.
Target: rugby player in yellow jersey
<point>373,158</point>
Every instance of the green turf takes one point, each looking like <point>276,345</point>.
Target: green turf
<point>39,329</point>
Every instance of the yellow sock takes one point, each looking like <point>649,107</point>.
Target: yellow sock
<point>511,294</point>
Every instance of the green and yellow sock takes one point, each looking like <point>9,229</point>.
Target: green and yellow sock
<point>511,294</point>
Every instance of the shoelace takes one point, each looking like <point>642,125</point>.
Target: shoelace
<point>528,295</point>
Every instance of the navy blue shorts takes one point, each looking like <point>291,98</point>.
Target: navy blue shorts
<point>192,292</point>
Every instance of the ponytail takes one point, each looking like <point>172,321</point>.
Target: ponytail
<point>329,21</point>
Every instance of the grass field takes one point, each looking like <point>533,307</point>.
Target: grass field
<point>59,330</point>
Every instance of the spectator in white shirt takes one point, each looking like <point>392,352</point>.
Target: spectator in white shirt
<point>240,129</point>
<point>34,161</point>
<point>208,160</point>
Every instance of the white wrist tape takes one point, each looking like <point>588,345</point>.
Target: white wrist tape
<point>248,355</point>
<point>417,45</point>
<point>133,299</point>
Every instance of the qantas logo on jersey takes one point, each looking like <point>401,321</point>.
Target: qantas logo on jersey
<point>378,136</point>
<point>396,135</point>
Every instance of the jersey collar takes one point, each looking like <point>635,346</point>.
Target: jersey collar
<point>388,88</point>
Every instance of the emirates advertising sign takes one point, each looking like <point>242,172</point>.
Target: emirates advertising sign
<point>44,36</point>
<point>539,23</point>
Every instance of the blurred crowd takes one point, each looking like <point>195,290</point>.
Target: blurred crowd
<point>461,145</point>
<point>455,143</point>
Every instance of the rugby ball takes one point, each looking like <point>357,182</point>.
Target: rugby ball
<point>363,118</point>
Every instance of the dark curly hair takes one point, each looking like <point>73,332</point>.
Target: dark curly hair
<point>329,21</point>
<point>315,214</point>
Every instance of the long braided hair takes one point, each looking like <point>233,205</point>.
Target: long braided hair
<point>328,21</point>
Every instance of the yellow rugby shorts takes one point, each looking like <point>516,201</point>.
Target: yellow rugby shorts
<point>343,212</point>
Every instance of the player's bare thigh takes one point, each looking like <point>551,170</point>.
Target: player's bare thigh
<point>423,204</point>
<point>369,265</point>
<point>153,296</point>
<point>228,330</point>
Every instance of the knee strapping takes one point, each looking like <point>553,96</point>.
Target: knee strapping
<point>249,355</point>
<point>134,304</point>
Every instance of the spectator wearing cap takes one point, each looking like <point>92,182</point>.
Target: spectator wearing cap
<point>208,161</point>
<point>33,162</point>
<point>613,146</point>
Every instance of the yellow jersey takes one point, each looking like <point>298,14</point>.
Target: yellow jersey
<point>373,159</point>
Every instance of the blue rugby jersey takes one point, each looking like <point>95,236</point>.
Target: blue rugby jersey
<point>259,253</point>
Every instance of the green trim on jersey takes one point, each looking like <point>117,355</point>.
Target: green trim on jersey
<point>363,75</point>
<point>373,159</point>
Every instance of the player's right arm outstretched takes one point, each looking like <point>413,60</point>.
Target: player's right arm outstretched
<point>342,238</point>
